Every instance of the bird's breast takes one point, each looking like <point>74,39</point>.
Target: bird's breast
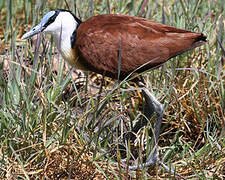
<point>71,56</point>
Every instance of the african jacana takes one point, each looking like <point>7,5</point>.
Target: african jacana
<point>102,42</point>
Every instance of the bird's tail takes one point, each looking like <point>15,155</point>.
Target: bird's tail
<point>198,41</point>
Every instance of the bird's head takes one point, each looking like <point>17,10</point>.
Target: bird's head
<point>55,23</point>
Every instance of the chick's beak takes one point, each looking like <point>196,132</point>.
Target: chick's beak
<point>35,30</point>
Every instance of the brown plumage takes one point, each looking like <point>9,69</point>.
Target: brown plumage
<point>101,38</point>
<point>101,42</point>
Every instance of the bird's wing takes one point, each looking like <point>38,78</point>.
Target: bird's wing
<point>102,39</point>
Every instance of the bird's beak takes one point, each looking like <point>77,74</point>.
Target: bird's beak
<point>35,30</point>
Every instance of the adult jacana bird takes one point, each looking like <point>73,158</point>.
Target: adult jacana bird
<point>118,46</point>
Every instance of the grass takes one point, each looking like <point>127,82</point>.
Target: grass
<point>60,123</point>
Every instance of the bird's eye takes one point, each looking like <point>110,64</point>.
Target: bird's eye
<point>34,29</point>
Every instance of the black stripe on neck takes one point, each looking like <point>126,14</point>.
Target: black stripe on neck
<point>76,18</point>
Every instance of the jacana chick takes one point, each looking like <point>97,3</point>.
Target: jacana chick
<point>96,44</point>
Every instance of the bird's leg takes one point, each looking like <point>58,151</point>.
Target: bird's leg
<point>153,105</point>
<point>148,112</point>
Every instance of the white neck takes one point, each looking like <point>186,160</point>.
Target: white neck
<point>62,29</point>
<point>63,42</point>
